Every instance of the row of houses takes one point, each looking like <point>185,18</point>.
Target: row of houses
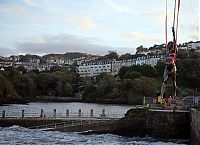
<point>85,67</point>
<point>34,62</point>
<point>94,68</point>
<point>190,45</point>
<point>158,49</point>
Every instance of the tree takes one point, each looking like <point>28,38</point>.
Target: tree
<point>133,75</point>
<point>67,89</point>
<point>160,66</point>
<point>25,86</point>
<point>6,89</point>
<point>90,94</point>
<point>59,68</point>
<point>105,83</point>
<point>136,71</point>
<point>189,73</point>
<point>125,56</point>
<point>55,83</point>
<point>141,48</point>
<point>44,81</point>
<point>22,69</point>
<point>110,56</point>
<point>182,54</point>
<point>87,81</point>
<point>122,72</point>
<point>145,86</point>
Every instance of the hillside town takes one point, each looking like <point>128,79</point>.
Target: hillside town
<point>91,65</point>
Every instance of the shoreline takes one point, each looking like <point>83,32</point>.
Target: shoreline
<point>68,99</point>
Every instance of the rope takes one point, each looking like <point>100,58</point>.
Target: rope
<point>173,29</point>
<point>166,29</point>
<point>174,13</point>
<point>179,1</point>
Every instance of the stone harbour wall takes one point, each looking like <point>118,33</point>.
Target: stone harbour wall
<point>159,124</point>
<point>195,127</point>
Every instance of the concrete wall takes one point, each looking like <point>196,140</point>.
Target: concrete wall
<point>27,122</point>
<point>195,127</point>
<point>141,122</point>
<point>137,122</point>
<point>102,127</point>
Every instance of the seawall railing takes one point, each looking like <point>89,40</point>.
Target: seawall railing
<point>67,124</point>
<point>55,114</point>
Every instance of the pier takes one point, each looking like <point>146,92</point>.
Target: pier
<point>159,123</point>
<point>68,121</point>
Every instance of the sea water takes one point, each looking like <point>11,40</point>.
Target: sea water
<point>17,135</point>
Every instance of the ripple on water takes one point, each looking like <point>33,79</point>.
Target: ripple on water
<point>21,135</point>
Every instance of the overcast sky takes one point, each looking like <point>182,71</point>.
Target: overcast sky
<point>91,26</point>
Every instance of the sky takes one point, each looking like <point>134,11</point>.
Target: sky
<point>91,26</point>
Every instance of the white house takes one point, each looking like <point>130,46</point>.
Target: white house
<point>152,60</point>
<point>93,69</point>
<point>68,61</point>
<point>183,46</point>
<point>193,45</point>
<point>6,64</point>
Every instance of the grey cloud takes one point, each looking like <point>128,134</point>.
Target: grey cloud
<point>193,32</point>
<point>61,43</point>
<point>194,37</point>
<point>7,51</point>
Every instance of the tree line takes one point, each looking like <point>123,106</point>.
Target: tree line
<point>129,86</point>
<point>18,84</point>
<point>133,83</point>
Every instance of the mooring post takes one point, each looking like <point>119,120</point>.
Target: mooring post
<point>42,113</point>
<point>67,112</point>
<point>3,114</point>
<point>91,113</point>
<point>103,113</point>
<point>22,113</point>
<point>79,113</point>
<point>54,113</point>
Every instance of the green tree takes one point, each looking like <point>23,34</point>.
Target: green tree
<point>105,83</point>
<point>133,75</point>
<point>45,81</point>
<point>25,86</point>
<point>145,86</point>
<point>160,67</point>
<point>122,72</point>
<point>7,90</point>
<point>67,89</point>
<point>90,93</point>
<point>125,56</point>
<point>110,56</point>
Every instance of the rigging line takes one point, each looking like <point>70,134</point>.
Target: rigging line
<point>166,28</point>
<point>179,1</point>
<point>174,13</point>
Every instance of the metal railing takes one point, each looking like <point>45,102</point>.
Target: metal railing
<point>68,124</point>
<point>54,114</point>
